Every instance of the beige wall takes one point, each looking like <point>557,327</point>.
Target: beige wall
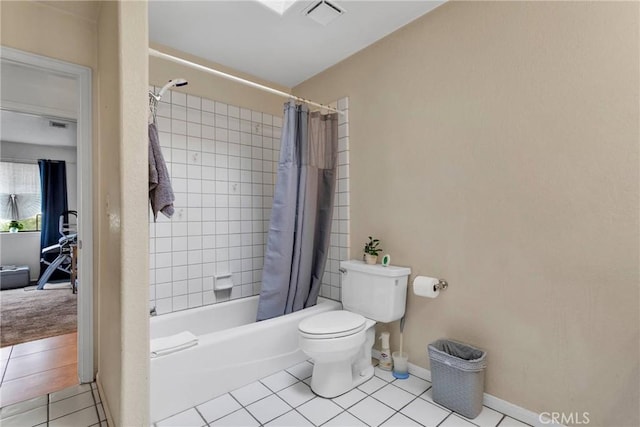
<point>213,87</point>
<point>111,39</point>
<point>496,145</point>
<point>109,212</point>
<point>45,29</point>
<point>134,221</point>
<point>123,365</point>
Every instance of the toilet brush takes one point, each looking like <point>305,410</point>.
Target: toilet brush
<point>400,360</point>
<point>401,333</point>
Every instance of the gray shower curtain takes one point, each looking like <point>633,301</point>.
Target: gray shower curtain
<point>300,226</point>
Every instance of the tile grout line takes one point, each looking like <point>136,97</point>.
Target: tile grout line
<point>243,407</point>
<point>39,372</point>
<point>378,400</point>
<point>95,404</point>
<point>375,398</point>
<point>301,414</point>
<point>444,419</point>
<point>5,368</point>
<point>355,416</point>
<point>275,393</point>
<point>465,418</point>
<point>199,413</point>
<point>232,412</point>
<point>70,396</point>
<point>393,415</point>
<point>38,395</point>
<point>73,412</point>
<point>292,410</point>
<point>285,402</point>
<point>41,351</point>
<point>399,411</point>
<point>49,403</point>
<point>295,409</point>
<point>343,411</point>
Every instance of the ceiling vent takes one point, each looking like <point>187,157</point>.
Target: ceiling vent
<point>324,12</point>
<point>59,125</point>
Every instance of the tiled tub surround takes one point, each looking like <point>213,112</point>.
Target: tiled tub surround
<point>223,161</point>
<point>340,242</point>
<point>233,350</point>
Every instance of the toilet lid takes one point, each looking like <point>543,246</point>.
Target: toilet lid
<point>332,324</point>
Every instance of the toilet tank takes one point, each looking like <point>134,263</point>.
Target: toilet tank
<point>376,292</point>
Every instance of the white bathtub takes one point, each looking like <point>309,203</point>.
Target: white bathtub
<point>233,350</point>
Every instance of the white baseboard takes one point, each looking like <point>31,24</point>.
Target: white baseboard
<point>419,371</point>
<point>500,405</point>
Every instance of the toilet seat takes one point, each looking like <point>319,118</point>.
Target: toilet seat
<point>332,324</point>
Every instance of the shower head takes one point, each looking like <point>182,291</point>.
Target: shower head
<point>170,84</point>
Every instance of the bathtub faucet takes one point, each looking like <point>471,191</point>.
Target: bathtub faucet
<point>153,311</point>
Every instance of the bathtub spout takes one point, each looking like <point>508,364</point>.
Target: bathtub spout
<point>153,311</point>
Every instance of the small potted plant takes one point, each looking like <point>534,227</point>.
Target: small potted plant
<point>15,226</point>
<point>371,250</point>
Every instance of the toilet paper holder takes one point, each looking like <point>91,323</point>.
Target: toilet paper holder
<point>429,287</point>
<point>441,285</point>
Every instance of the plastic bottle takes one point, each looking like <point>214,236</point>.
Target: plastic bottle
<point>385,353</point>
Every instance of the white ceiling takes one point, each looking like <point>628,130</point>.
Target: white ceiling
<point>31,99</point>
<point>288,49</point>
<point>34,129</point>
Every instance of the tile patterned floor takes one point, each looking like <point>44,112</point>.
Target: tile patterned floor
<point>36,368</point>
<point>76,406</point>
<point>285,399</point>
<point>282,399</point>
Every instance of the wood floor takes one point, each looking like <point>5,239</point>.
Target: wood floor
<point>38,367</point>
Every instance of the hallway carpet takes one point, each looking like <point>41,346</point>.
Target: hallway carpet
<point>27,314</point>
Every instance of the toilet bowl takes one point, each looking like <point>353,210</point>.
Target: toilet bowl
<point>339,342</point>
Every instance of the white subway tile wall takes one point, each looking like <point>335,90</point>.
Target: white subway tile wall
<point>223,162</point>
<point>340,227</point>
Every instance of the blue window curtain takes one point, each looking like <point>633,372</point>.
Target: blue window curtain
<point>53,186</point>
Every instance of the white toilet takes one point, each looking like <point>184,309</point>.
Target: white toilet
<point>340,342</point>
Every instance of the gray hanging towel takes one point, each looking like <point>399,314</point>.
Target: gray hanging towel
<point>160,191</point>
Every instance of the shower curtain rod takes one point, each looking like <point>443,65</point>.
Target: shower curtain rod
<point>158,54</point>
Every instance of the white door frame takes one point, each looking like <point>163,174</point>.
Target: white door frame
<point>82,76</point>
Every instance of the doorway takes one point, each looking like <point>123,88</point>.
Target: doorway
<point>38,80</point>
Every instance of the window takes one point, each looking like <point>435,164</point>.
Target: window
<point>19,196</point>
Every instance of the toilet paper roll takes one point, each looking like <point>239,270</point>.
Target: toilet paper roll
<point>425,286</point>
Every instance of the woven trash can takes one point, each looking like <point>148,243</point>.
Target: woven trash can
<point>457,376</point>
